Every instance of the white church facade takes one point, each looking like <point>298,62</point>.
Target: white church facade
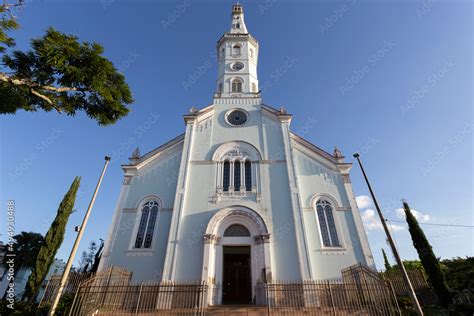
<point>238,198</point>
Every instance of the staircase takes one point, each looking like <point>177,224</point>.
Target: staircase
<point>236,310</point>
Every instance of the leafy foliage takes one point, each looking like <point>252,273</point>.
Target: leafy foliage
<point>428,259</point>
<point>25,248</point>
<point>385,261</point>
<point>52,241</point>
<point>459,273</point>
<point>60,73</point>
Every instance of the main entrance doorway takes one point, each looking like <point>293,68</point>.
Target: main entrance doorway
<point>237,282</point>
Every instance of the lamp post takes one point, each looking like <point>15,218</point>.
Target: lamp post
<point>403,271</point>
<point>52,310</point>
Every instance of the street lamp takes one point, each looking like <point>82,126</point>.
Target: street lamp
<point>80,230</point>
<point>413,297</point>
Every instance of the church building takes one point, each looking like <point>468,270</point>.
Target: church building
<point>238,198</point>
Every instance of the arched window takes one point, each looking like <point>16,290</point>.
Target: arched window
<point>222,54</point>
<point>236,50</point>
<point>226,176</point>
<point>220,87</point>
<point>237,181</point>
<point>324,209</point>
<point>254,87</point>
<point>251,53</point>
<point>237,85</point>
<point>146,226</point>
<point>248,175</point>
<point>236,230</point>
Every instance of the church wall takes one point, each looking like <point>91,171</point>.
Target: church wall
<point>158,179</point>
<point>314,178</point>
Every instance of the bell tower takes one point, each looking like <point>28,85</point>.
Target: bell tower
<point>237,53</point>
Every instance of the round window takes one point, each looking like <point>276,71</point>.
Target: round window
<point>237,66</point>
<point>237,117</point>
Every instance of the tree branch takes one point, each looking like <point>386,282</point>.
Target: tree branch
<point>26,82</point>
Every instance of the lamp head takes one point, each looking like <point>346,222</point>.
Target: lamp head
<point>356,155</point>
<point>107,158</point>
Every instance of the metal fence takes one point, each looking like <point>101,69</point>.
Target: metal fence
<point>159,298</point>
<point>328,298</point>
<point>75,279</point>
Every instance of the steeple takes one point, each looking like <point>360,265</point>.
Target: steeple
<point>237,52</point>
<point>238,23</point>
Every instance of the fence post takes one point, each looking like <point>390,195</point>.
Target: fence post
<point>138,300</point>
<point>267,285</point>
<point>75,297</point>
<point>45,291</point>
<point>332,299</point>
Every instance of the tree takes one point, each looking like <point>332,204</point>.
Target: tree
<point>59,73</point>
<point>25,248</point>
<point>52,241</point>
<point>97,257</point>
<point>385,261</point>
<point>428,259</point>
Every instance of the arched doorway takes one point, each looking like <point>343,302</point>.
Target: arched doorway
<point>236,255</point>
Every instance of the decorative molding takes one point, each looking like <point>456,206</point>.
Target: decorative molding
<point>129,209</point>
<point>262,239</point>
<point>343,208</point>
<point>211,239</point>
<point>346,178</point>
<point>139,252</point>
<point>272,161</point>
<point>127,180</point>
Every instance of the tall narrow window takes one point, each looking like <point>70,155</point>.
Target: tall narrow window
<point>226,176</point>
<point>237,175</point>
<point>327,224</point>
<point>251,53</point>
<point>146,226</point>
<point>237,85</point>
<point>236,50</point>
<point>248,176</point>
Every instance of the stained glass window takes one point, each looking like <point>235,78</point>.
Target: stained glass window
<point>248,176</point>
<point>327,224</point>
<point>237,175</point>
<point>146,226</point>
<point>236,230</point>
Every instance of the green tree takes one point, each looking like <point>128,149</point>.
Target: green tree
<point>52,241</point>
<point>385,261</point>
<point>428,259</point>
<point>25,248</point>
<point>59,73</point>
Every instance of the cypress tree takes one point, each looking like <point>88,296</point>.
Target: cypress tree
<point>385,261</point>
<point>52,241</point>
<point>428,259</point>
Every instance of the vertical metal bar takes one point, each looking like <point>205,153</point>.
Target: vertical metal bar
<point>138,300</point>
<point>332,299</point>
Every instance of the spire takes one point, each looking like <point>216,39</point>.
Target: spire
<point>238,23</point>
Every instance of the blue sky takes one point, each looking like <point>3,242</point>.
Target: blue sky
<point>390,79</point>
